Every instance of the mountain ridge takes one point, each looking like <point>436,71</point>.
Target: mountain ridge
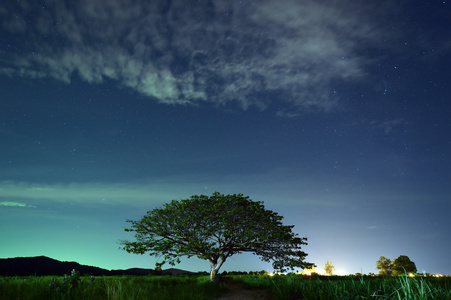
<point>43,266</point>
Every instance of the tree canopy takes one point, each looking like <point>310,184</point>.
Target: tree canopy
<point>385,266</point>
<point>403,264</point>
<point>329,268</point>
<point>399,265</point>
<point>214,228</point>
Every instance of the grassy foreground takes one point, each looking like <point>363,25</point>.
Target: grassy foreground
<point>346,287</point>
<point>283,287</point>
<point>109,287</point>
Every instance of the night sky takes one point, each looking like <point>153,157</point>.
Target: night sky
<point>334,113</point>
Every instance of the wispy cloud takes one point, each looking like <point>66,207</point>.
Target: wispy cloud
<point>160,191</point>
<point>108,194</point>
<point>388,125</point>
<point>288,53</point>
<point>372,227</point>
<point>16,204</point>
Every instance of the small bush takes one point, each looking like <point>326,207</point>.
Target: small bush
<point>69,284</point>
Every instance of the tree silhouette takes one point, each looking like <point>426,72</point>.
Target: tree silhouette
<point>215,228</point>
<point>329,268</point>
<point>385,266</point>
<point>403,264</point>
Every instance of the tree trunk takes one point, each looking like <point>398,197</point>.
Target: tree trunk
<point>213,274</point>
<point>215,266</point>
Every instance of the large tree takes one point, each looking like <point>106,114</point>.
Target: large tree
<point>403,264</point>
<point>214,228</point>
<point>385,266</point>
<point>329,268</point>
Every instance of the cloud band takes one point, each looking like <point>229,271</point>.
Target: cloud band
<point>286,54</point>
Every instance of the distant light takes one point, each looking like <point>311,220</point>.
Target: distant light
<point>411,275</point>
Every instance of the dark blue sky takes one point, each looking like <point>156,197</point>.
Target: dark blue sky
<point>336,115</point>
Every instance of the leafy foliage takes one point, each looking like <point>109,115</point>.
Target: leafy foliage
<point>385,266</point>
<point>329,268</point>
<point>403,264</point>
<point>215,228</point>
<point>398,266</point>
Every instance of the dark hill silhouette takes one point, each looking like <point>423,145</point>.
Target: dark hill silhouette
<point>42,265</point>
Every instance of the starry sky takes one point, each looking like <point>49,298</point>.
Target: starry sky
<point>334,113</point>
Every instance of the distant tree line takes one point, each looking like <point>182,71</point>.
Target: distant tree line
<point>400,265</point>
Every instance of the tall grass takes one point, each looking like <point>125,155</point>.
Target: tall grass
<point>289,287</point>
<point>292,287</point>
<point>110,288</point>
<point>421,290</point>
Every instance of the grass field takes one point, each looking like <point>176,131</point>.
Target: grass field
<point>347,287</point>
<point>282,287</point>
<point>109,287</point>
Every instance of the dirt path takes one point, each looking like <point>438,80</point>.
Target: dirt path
<point>235,291</point>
